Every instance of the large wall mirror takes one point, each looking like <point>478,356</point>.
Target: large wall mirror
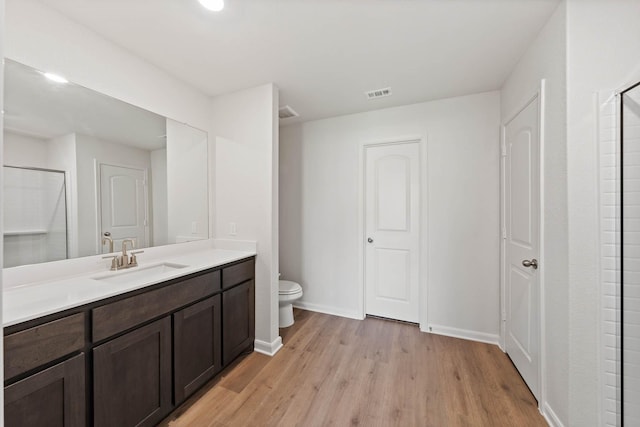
<point>80,165</point>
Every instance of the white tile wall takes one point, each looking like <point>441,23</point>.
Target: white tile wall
<point>609,136</point>
<point>631,282</point>
<point>610,257</point>
<point>34,217</point>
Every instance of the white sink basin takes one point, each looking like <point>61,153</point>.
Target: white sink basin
<point>139,273</point>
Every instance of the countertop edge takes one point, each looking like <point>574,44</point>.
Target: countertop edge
<point>104,292</point>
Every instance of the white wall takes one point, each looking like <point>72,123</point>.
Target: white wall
<point>187,192</point>
<point>90,150</point>
<point>546,59</point>
<point>159,197</point>
<point>319,205</point>
<point>23,150</point>
<point>62,156</point>
<point>603,40</point>
<point>246,190</point>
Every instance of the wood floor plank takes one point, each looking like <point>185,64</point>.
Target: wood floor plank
<point>341,372</point>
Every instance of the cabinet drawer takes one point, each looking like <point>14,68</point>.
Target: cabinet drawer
<point>121,315</point>
<point>28,349</point>
<point>238,273</point>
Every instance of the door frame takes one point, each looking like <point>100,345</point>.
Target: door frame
<point>98,201</point>
<point>423,287</point>
<point>539,94</point>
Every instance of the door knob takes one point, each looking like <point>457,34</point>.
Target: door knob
<point>370,240</point>
<point>533,263</point>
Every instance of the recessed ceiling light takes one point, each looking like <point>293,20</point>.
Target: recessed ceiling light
<point>56,78</point>
<point>214,5</point>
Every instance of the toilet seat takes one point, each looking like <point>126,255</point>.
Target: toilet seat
<point>289,288</point>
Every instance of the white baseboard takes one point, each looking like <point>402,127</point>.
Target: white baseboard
<point>268,348</point>
<point>327,310</point>
<point>464,334</point>
<point>550,417</point>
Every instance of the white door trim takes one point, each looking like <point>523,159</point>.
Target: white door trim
<point>98,203</point>
<point>423,288</point>
<point>538,92</point>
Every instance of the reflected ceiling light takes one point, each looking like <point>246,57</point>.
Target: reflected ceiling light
<point>56,78</point>
<point>214,5</point>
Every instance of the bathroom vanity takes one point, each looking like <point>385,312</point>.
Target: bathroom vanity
<point>129,359</point>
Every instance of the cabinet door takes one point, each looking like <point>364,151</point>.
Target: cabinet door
<point>197,346</point>
<point>53,397</point>
<point>132,377</point>
<point>238,320</point>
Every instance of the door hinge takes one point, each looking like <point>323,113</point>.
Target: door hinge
<point>504,150</point>
<point>504,233</point>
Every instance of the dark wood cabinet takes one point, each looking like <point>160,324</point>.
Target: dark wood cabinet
<point>197,346</point>
<point>50,398</point>
<point>129,360</point>
<point>132,377</point>
<point>238,320</point>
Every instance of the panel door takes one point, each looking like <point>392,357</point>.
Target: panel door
<point>238,320</point>
<point>522,214</point>
<point>132,377</point>
<point>123,205</point>
<point>50,398</point>
<point>197,346</point>
<point>392,227</point>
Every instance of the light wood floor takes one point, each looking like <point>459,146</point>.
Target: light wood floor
<point>342,372</point>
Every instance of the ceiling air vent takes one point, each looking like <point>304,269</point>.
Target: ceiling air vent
<point>287,112</point>
<point>378,93</point>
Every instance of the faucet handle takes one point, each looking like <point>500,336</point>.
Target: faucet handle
<point>134,261</point>
<point>114,261</point>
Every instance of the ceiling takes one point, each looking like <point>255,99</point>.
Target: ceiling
<point>38,107</point>
<point>324,54</point>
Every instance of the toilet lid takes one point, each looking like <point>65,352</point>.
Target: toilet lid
<point>287,287</point>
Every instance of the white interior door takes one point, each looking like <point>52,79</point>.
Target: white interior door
<point>392,227</point>
<point>123,205</point>
<point>522,223</point>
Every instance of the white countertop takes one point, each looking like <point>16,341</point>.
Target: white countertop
<point>33,300</point>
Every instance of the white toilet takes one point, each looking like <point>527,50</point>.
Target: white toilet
<point>289,292</point>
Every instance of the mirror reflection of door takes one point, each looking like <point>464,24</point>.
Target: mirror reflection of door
<point>124,205</point>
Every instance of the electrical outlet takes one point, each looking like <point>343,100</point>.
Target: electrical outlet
<point>194,227</point>
<point>232,229</point>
